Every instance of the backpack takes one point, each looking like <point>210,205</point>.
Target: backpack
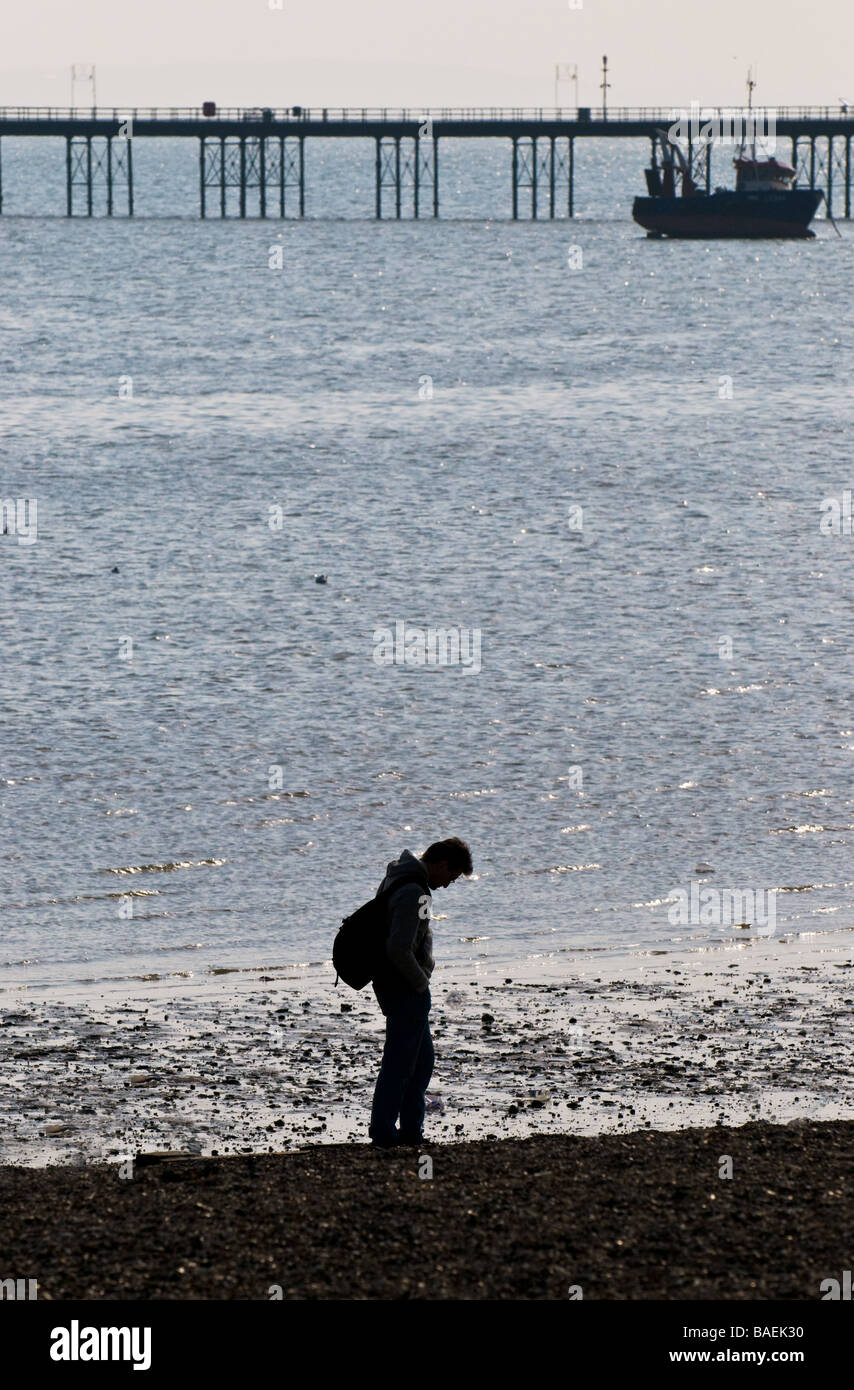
<point>359,946</point>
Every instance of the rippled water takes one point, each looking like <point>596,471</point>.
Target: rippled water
<point>605,651</point>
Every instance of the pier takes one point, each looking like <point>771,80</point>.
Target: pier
<point>261,152</point>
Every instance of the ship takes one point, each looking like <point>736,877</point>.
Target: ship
<point>766,201</point>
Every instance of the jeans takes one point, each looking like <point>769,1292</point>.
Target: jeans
<point>407,1066</point>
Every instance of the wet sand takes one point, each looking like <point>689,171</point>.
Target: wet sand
<point>266,1062</point>
<point>636,1216</point>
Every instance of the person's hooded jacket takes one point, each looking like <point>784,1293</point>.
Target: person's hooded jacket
<point>409,945</point>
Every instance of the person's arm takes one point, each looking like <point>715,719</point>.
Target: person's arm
<point>400,943</point>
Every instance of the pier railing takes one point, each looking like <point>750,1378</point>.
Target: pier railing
<point>359,115</point>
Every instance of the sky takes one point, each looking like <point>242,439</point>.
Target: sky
<point>422,53</point>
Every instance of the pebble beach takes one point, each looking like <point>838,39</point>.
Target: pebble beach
<point>276,1060</point>
<point>644,1216</point>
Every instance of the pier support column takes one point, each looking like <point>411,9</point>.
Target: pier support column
<point>291,171</point>
<point>401,165</point>
<point>556,166</point>
<point>534,177</point>
<point>571,191</point>
<point>435,176</point>
<point>1,179</point>
<point>239,162</point>
<point>389,171</point>
<point>839,170</point>
<point>803,160</point>
<point>524,170</point>
<point>97,165</point>
<point>88,175</point>
<point>215,159</point>
<point>422,153</point>
<point>397,177</point>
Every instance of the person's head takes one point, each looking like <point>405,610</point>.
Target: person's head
<point>446,860</point>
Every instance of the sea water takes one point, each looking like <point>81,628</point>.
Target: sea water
<point>602,462</point>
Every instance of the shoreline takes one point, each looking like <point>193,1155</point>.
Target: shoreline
<point>642,1216</point>
<point>692,943</point>
<point>554,962</point>
<point>270,1062</point>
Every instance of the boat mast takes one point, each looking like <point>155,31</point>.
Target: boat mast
<point>751,83</point>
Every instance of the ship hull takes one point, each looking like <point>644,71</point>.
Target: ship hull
<point>772,214</point>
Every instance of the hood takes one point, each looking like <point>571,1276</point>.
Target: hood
<point>407,866</point>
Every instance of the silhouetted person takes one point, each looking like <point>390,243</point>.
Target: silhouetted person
<point>402,987</point>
